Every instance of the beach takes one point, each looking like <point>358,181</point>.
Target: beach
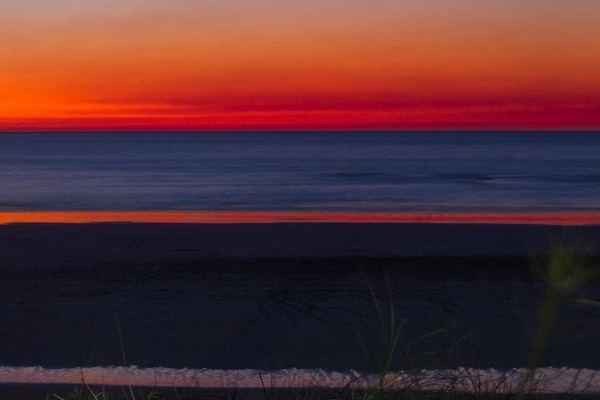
<point>299,200</point>
<point>271,296</point>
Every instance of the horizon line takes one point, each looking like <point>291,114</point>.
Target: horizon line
<point>304,130</point>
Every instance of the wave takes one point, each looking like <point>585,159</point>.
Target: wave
<point>470,380</point>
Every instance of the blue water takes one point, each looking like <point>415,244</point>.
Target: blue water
<point>366,171</point>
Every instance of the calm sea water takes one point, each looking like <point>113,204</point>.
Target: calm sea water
<point>301,171</point>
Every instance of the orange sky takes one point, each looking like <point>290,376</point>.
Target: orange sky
<point>266,64</point>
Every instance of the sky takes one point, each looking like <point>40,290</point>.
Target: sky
<point>289,64</point>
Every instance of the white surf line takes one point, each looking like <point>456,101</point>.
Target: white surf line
<point>544,380</point>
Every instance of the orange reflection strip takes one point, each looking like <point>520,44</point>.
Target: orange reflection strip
<point>227,217</point>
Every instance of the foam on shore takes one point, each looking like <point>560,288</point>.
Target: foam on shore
<point>544,380</point>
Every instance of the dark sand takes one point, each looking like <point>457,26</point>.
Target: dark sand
<point>280,295</point>
<point>53,244</point>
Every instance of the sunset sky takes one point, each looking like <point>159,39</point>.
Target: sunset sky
<point>289,64</point>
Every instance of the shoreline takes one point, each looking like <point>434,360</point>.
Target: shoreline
<point>567,218</point>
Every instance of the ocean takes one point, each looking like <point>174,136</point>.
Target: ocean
<point>226,305</point>
<point>301,171</point>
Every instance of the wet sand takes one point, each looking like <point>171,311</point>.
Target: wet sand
<point>566,218</point>
<point>23,245</point>
<point>277,295</point>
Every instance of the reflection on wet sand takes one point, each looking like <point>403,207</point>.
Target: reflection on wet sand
<point>224,217</point>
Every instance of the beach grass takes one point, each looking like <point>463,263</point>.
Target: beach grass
<point>564,274</point>
<point>91,392</point>
<point>309,393</point>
